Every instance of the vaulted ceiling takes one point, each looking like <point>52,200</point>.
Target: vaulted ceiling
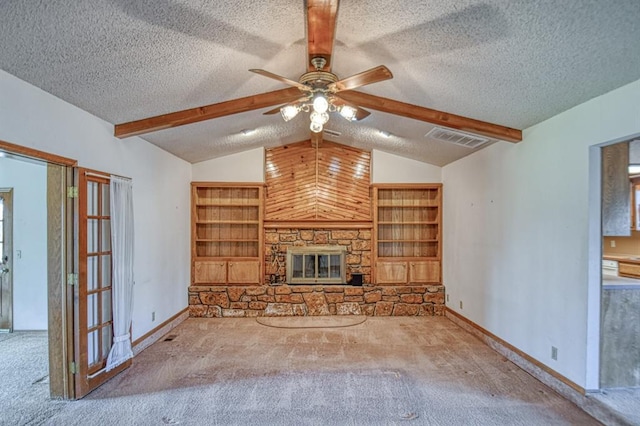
<point>511,63</point>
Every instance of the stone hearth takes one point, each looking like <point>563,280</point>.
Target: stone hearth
<point>302,300</point>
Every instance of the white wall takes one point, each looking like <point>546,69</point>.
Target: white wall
<point>247,166</point>
<point>389,168</point>
<point>517,229</point>
<point>36,119</point>
<point>29,183</point>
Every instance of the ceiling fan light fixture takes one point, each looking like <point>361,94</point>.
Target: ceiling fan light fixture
<point>315,127</point>
<point>319,118</point>
<point>320,103</point>
<point>289,111</point>
<point>348,112</point>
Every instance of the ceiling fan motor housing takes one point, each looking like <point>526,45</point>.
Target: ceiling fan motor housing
<point>318,79</point>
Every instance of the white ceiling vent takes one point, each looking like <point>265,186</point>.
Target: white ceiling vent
<point>455,137</point>
<point>333,133</point>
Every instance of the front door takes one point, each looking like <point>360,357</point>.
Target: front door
<point>93,312</point>
<point>6,253</point>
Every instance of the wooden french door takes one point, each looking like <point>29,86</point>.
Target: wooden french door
<point>93,315</point>
<point>6,253</point>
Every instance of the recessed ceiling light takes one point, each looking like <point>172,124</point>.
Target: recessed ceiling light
<point>247,132</point>
<point>384,133</point>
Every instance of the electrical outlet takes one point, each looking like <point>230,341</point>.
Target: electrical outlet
<point>461,304</point>
<point>554,353</point>
<point>153,316</point>
<point>613,243</point>
<point>447,297</point>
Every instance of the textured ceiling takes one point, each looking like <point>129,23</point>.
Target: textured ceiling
<point>509,62</point>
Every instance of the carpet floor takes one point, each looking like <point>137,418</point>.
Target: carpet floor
<point>383,371</point>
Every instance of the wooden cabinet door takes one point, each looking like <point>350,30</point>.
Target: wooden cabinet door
<point>206,272</point>
<point>244,272</point>
<point>427,271</point>
<point>391,272</point>
<point>629,270</point>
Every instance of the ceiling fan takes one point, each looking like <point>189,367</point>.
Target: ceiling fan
<point>321,88</point>
<point>319,91</point>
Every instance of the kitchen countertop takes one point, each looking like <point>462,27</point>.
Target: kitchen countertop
<point>627,258</point>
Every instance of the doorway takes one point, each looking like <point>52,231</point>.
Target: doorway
<point>6,255</point>
<point>620,289</point>
<point>41,256</point>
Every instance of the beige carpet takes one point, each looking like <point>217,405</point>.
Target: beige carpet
<point>385,371</point>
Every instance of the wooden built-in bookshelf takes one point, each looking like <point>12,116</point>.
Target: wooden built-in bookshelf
<point>227,233</point>
<point>407,233</point>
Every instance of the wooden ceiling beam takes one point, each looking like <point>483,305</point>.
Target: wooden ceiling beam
<point>321,30</point>
<point>194,115</point>
<point>432,116</point>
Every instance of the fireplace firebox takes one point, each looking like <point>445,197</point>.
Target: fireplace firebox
<point>316,265</point>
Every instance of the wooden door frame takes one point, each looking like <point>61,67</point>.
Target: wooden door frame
<point>61,251</point>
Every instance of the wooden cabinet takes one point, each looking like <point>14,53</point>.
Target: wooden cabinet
<point>424,271</point>
<point>407,233</point>
<point>628,269</point>
<point>391,272</point>
<point>226,233</point>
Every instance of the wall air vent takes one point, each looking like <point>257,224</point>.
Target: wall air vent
<point>333,133</point>
<point>455,137</point>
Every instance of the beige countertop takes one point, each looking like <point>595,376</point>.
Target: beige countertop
<point>626,258</point>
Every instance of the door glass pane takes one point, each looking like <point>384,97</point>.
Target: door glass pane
<point>106,235</point>
<point>92,198</point>
<point>107,334</point>
<point>106,306</point>
<point>92,235</point>
<point>92,347</point>
<point>92,272</point>
<point>92,310</point>
<point>106,208</point>
<point>323,266</point>
<point>106,270</point>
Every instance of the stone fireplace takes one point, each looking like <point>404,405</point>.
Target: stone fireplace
<point>353,245</point>
<point>277,298</point>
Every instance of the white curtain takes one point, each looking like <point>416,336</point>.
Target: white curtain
<point>122,258</point>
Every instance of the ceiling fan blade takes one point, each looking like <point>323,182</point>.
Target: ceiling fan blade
<point>433,116</point>
<point>360,112</point>
<point>207,112</point>
<point>373,75</point>
<point>282,79</point>
<point>321,30</point>
<point>277,110</point>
